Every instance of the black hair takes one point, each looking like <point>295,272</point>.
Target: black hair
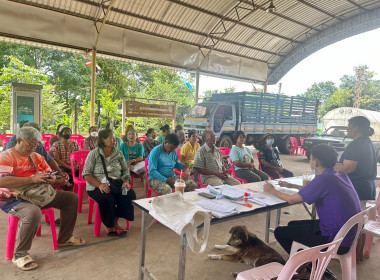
<point>265,136</point>
<point>178,128</point>
<point>103,134</point>
<point>191,133</point>
<point>149,131</point>
<point>89,130</point>
<point>164,128</point>
<point>173,139</point>
<point>363,124</point>
<point>237,135</point>
<point>21,124</point>
<point>326,155</point>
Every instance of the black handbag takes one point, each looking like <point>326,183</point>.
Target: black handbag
<point>114,184</point>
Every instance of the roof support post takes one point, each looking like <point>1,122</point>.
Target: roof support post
<point>197,87</point>
<point>266,86</point>
<point>124,109</point>
<point>93,82</point>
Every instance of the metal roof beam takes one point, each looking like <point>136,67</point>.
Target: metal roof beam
<point>106,13</point>
<point>320,10</point>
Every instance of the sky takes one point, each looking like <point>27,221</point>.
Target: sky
<point>328,64</point>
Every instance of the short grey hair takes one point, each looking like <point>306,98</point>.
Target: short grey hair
<point>33,124</point>
<point>206,133</point>
<point>28,133</point>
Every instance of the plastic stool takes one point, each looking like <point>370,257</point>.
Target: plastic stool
<point>12,231</point>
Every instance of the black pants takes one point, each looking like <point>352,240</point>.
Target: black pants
<point>114,205</point>
<point>306,232</point>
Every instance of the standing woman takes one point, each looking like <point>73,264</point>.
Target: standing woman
<point>111,206</point>
<point>150,142</point>
<point>62,150</point>
<point>243,160</point>
<point>358,161</point>
<point>91,141</point>
<point>165,131</point>
<point>270,159</point>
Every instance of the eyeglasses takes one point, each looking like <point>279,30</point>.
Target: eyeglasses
<point>35,144</point>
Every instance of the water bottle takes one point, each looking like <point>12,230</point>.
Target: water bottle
<point>124,191</point>
<point>245,198</point>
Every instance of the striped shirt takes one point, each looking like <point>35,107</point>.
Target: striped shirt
<point>206,158</point>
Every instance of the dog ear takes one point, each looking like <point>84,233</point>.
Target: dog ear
<point>243,235</point>
<point>232,230</point>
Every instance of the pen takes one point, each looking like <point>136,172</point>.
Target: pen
<point>252,190</point>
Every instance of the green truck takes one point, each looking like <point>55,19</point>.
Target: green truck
<point>256,114</point>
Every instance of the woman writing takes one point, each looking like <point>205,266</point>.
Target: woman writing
<point>112,206</point>
<point>243,161</point>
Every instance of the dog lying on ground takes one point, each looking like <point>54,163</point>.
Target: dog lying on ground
<point>250,249</point>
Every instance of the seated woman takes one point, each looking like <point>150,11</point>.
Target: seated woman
<point>91,141</point>
<point>165,131</point>
<point>55,138</point>
<point>150,142</point>
<point>111,206</point>
<point>62,150</point>
<point>133,153</point>
<point>270,159</point>
<point>188,152</point>
<point>182,138</point>
<point>243,161</point>
<point>20,167</point>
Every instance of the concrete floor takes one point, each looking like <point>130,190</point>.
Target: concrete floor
<point>117,258</point>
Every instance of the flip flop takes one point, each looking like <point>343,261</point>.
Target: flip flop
<point>111,231</point>
<point>72,242</point>
<point>121,232</point>
<point>23,261</point>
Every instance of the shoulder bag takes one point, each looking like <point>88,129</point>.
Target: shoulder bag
<point>114,184</point>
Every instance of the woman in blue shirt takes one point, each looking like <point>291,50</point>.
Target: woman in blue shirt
<point>243,161</point>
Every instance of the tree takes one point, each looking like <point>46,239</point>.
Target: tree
<point>320,91</point>
<point>340,98</point>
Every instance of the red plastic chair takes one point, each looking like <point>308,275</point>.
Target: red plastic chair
<point>4,138</point>
<point>302,150</point>
<point>319,256</point>
<point>242,181</point>
<point>142,138</point>
<point>12,231</point>
<point>224,151</point>
<point>294,143</point>
<point>150,190</point>
<point>258,159</point>
<point>79,183</point>
<point>46,138</point>
<point>79,139</point>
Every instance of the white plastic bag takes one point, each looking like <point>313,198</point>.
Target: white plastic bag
<point>182,217</point>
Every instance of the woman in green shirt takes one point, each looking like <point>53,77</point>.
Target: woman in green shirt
<point>165,131</point>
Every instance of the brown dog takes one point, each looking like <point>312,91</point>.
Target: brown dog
<point>250,249</point>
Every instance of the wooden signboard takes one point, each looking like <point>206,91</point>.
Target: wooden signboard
<point>138,109</point>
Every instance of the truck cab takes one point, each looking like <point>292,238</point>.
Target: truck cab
<point>221,117</point>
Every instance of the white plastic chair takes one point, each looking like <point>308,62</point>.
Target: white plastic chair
<point>372,227</point>
<point>315,255</point>
<point>348,260</point>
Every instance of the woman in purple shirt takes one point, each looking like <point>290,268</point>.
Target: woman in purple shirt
<point>335,199</point>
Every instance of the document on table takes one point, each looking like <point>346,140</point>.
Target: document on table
<point>229,192</point>
<point>264,199</point>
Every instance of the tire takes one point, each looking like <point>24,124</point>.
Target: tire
<point>285,146</point>
<point>225,141</point>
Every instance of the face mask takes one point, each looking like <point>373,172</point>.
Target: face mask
<point>67,136</point>
<point>270,142</point>
<point>94,133</point>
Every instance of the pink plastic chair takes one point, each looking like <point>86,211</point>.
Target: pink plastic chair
<point>348,260</point>
<point>372,227</point>
<point>224,151</point>
<point>46,138</point>
<point>4,138</point>
<point>316,255</point>
<point>98,220</point>
<point>79,158</point>
<point>294,143</point>
<point>12,231</point>
<point>79,139</point>
<point>242,181</point>
<point>142,138</point>
<point>301,149</point>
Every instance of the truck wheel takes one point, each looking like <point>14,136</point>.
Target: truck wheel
<point>225,141</point>
<point>285,146</point>
<point>308,155</point>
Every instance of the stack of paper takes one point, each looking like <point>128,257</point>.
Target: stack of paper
<point>228,192</point>
<point>218,208</point>
<point>265,199</point>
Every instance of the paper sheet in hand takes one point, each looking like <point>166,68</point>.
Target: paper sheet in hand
<point>264,199</point>
<point>138,168</point>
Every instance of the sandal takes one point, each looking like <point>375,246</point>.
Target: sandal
<point>121,232</point>
<point>23,261</point>
<point>73,241</point>
<point>111,231</point>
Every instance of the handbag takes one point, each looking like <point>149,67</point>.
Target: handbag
<point>37,194</point>
<point>114,184</point>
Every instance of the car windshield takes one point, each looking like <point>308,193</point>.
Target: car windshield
<point>336,131</point>
<point>202,110</point>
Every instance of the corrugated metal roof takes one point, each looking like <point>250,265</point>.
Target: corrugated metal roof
<point>241,28</point>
